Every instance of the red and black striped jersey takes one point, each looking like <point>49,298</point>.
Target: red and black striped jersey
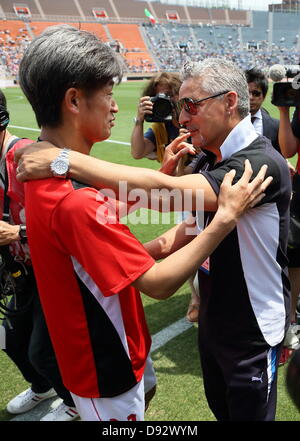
<point>85,264</point>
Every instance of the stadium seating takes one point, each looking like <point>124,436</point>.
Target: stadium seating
<point>129,35</point>
<point>136,53</point>
<point>12,30</point>
<point>87,7</point>
<point>161,10</point>
<point>59,8</point>
<point>7,6</point>
<point>131,10</point>
<point>181,32</point>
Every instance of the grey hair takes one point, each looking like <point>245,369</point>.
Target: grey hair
<point>217,75</point>
<point>60,58</point>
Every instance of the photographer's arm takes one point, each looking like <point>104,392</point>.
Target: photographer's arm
<point>288,142</point>
<point>140,146</point>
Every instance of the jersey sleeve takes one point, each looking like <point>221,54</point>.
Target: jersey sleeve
<point>88,230</point>
<point>216,176</point>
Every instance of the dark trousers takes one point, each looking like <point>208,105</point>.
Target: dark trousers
<point>240,382</point>
<point>29,346</point>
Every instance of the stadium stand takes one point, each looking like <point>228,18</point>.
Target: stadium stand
<point>286,27</point>
<point>136,53</point>
<point>201,15</point>
<point>52,9</point>
<point>237,17</point>
<point>219,16</point>
<point>12,30</point>
<point>131,11</point>
<point>161,11</point>
<point>87,7</point>
<point>7,6</point>
<point>181,32</point>
<point>129,35</point>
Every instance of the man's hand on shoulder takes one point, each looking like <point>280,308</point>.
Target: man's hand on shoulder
<point>34,160</point>
<point>235,200</point>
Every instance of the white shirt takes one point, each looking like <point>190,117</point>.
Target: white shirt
<point>258,122</point>
<point>242,135</point>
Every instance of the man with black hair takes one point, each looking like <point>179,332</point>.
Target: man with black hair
<point>263,123</point>
<point>27,341</point>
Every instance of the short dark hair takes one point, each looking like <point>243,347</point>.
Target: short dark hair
<point>60,58</point>
<point>3,100</point>
<point>257,76</point>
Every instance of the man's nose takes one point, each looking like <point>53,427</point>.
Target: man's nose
<point>183,117</point>
<point>114,107</point>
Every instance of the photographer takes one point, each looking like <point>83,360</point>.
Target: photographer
<point>152,143</point>
<point>289,139</point>
<point>27,341</point>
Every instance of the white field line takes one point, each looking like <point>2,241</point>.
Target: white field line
<point>166,334</point>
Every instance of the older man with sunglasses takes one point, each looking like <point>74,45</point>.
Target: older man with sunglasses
<point>244,283</point>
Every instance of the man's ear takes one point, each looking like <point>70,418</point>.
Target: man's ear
<point>231,101</point>
<point>71,99</point>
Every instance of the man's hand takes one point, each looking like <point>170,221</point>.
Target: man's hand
<point>34,160</point>
<point>8,233</point>
<point>174,152</point>
<point>235,199</point>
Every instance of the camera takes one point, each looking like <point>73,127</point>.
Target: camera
<point>286,93</point>
<point>162,109</point>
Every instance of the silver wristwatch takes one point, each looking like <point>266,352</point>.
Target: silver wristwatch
<point>60,165</point>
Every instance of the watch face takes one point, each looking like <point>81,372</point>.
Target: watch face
<point>60,166</point>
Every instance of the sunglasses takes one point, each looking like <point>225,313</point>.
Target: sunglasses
<point>190,105</point>
<point>256,93</point>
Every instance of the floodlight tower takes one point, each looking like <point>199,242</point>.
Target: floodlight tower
<point>240,4</point>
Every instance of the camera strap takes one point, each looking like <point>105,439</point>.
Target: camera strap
<point>4,249</point>
<point>9,263</point>
<point>6,200</point>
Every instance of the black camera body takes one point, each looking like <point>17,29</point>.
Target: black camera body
<point>288,93</point>
<point>162,109</point>
<point>285,94</point>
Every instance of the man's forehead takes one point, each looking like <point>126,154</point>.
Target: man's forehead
<point>109,85</point>
<point>253,85</point>
<point>191,88</point>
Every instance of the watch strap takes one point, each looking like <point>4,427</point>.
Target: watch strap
<point>23,234</point>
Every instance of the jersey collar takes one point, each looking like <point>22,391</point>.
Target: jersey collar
<point>242,135</point>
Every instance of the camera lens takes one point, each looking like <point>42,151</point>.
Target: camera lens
<point>162,108</point>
